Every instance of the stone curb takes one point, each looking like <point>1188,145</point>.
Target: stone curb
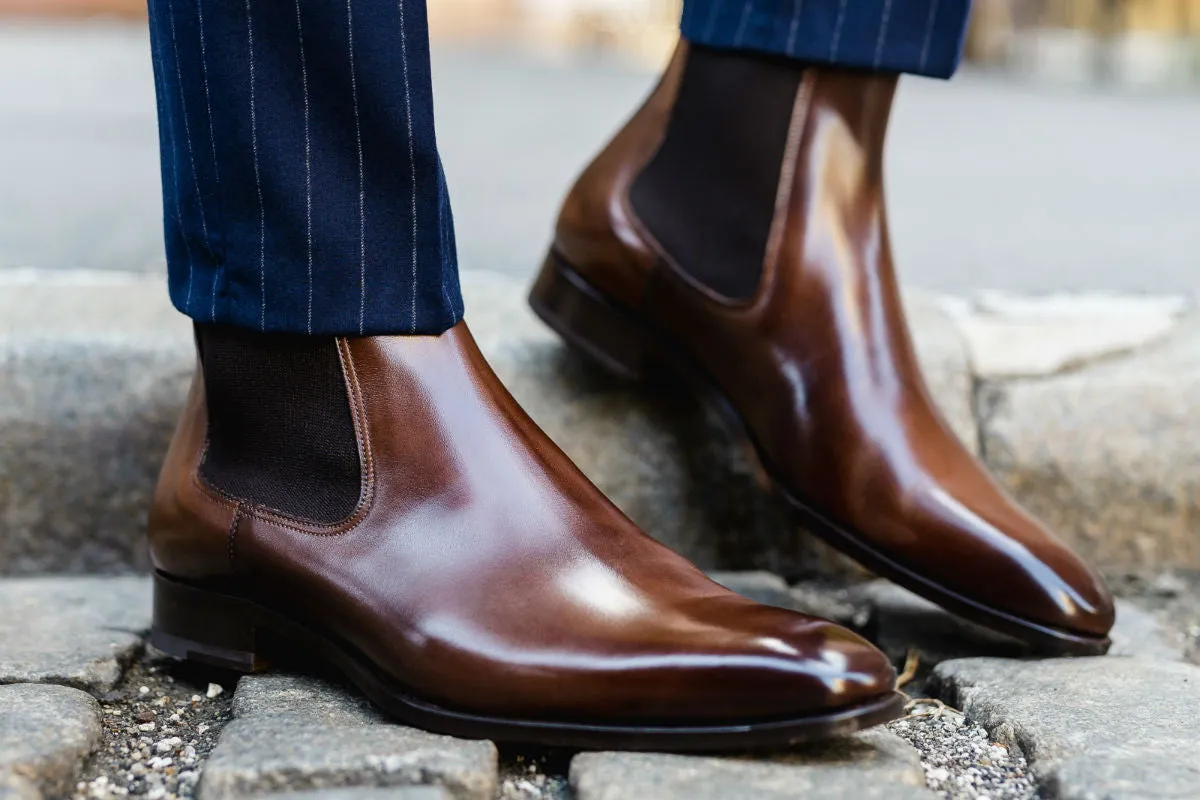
<point>1081,406</point>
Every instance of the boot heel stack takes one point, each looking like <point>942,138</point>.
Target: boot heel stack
<point>574,310</point>
<point>204,626</point>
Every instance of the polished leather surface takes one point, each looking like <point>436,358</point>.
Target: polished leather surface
<point>822,373</point>
<point>483,571</point>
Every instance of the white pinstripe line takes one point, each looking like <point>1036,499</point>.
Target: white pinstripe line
<point>837,30</point>
<point>212,137</point>
<point>262,214</point>
<point>362,191</point>
<point>411,162</point>
<point>187,130</point>
<point>883,26</point>
<point>712,21</point>
<point>187,246</point>
<point>307,162</point>
<point>933,9</point>
<point>797,10</point>
<point>443,202</point>
<point>741,31</point>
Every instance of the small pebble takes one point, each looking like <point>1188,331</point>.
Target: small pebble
<point>214,690</point>
<point>167,745</point>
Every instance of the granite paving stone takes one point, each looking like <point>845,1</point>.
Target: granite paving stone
<point>45,734</point>
<point>1111,728</point>
<point>77,631</point>
<point>301,734</point>
<point>1107,454</point>
<point>94,367</point>
<point>872,764</point>
<point>1014,336</point>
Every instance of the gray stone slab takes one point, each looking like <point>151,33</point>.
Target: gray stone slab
<point>75,631</point>
<point>93,371</point>
<point>899,621</point>
<point>872,764</point>
<point>1021,337</point>
<point>45,734</point>
<point>1110,728</point>
<point>301,734</point>
<point>1107,455</point>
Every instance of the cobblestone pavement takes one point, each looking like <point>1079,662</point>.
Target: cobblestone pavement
<point>993,182</point>
<point>978,727</point>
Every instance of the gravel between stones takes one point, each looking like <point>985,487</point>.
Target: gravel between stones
<point>159,725</point>
<point>961,762</point>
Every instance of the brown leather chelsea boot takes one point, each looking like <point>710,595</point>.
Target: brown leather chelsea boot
<point>733,234</point>
<point>385,505</point>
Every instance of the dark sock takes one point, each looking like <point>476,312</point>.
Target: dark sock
<point>280,432</point>
<point>708,195</point>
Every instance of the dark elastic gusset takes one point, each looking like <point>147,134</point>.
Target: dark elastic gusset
<point>280,430</point>
<point>708,194</point>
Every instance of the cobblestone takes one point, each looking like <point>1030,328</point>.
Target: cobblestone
<point>873,764</point>
<point>45,734</point>
<point>298,733</point>
<point>74,631</point>
<point>1091,727</point>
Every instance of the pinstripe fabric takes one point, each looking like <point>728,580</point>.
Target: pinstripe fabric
<point>923,37</point>
<point>302,189</point>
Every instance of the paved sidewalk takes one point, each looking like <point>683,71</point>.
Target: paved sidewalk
<point>994,183</point>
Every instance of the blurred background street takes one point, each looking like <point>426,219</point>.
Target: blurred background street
<point>1062,159</point>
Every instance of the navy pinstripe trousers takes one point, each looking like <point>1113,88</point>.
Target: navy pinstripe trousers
<point>302,188</point>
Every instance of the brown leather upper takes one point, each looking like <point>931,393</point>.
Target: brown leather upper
<point>484,572</point>
<point>819,364</point>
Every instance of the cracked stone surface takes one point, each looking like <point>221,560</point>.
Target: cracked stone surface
<point>73,631</point>
<point>1107,455</point>
<point>872,764</point>
<point>1013,336</point>
<point>1109,728</point>
<point>299,734</point>
<point>45,733</point>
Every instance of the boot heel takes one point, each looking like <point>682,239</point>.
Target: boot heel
<point>204,626</point>
<point>587,321</point>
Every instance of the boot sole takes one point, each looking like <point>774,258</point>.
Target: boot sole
<point>222,630</point>
<point>615,339</point>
